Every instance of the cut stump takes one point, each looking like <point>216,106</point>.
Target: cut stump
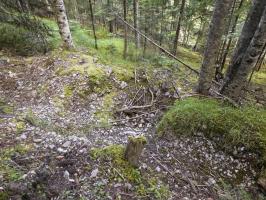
<point>134,149</point>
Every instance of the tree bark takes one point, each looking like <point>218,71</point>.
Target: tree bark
<point>249,60</point>
<point>216,30</point>
<point>63,25</point>
<point>248,31</point>
<point>181,13</point>
<point>125,29</point>
<point>136,22</point>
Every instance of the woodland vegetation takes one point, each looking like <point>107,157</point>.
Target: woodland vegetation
<point>132,99</point>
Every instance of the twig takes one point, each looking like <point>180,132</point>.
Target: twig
<point>134,107</point>
<point>119,173</point>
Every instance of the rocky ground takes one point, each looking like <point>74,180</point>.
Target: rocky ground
<point>56,111</point>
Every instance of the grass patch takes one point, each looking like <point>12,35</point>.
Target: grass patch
<point>232,126</point>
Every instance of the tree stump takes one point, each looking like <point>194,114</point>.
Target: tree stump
<point>134,149</point>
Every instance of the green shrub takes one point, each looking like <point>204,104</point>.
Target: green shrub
<point>21,41</point>
<point>232,126</point>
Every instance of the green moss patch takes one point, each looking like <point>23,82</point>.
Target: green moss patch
<point>233,126</point>
<point>8,171</point>
<point>122,171</point>
<point>6,108</point>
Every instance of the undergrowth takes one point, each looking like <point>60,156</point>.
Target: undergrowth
<point>21,41</point>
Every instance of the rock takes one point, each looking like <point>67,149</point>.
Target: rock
<point>66,144</point>
<point>262,182</point>
<point>22,137</point>
<point>37,140</point>
<point>94,173</point>
<point>123,85</point>
<point>66,175</point>
<point>17,188</point>
<point>211,181</point>
<point>95,60</point>
<point>117,185</point>
<point>128,186</point>
<point>60,150</point>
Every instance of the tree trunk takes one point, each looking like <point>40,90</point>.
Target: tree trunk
<point>217,28</point>
<point>222,48</point>
<point>246,36</point>
<point>93,25</point>
<point>199,33</point>
<point>249,60</point>
<point>161,27</point>
<point>145,40</point>
<point>229,42</point>
<point>63,24</point>
<point>111,22</point>
<point>179,26</point>
<point>136,22</point>
<point>125,28</point>
<point>174,14</point>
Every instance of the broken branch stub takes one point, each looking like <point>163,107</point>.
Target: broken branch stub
<point>134,149</point>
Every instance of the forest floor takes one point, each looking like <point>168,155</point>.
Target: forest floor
<point>64,117</point>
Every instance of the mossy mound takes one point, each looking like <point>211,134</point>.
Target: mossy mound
<point>121,171</point>
<point>231,126</point>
